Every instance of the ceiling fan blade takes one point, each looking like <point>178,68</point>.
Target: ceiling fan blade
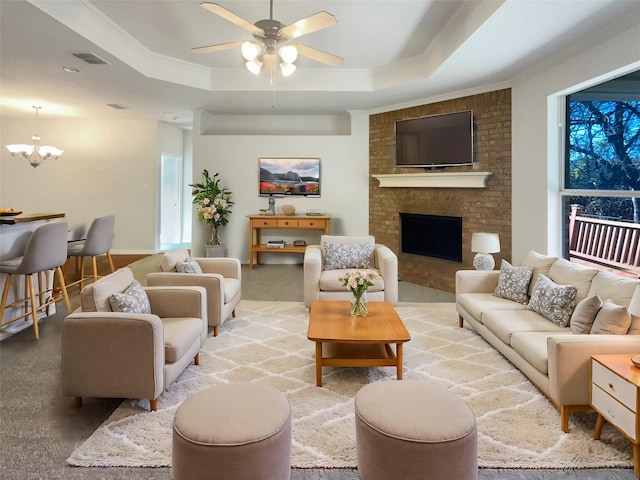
<point>319,55</point>
<point>216,48</point>
<point>230,16</point>
<point>315,22</point>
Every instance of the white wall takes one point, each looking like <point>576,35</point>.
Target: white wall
<point>108,166</point>
<point>537,136</point>
<point>344,181</point>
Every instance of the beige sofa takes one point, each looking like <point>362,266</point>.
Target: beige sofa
<point>107,354</point>
<point>553,357</point>
<point>323,283</point>
<point>220,277</point>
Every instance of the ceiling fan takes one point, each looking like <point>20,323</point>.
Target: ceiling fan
<point>273,45</point>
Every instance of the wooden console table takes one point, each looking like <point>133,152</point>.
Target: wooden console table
<point>303,222</point>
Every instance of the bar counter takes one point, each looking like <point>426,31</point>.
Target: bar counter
<point>28,217</point>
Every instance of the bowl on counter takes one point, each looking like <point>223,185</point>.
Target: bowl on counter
<point>288,209</point>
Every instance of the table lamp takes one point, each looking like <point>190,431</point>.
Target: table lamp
<point>483,244</point>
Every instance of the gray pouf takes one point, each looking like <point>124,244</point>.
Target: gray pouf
<point>234,431</point>
<point>413,430</point>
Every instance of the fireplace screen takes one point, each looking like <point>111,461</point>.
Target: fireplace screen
<point>431,235</point>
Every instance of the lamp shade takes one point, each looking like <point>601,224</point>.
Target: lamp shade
<point>634,305</point>
<point>485,243</point>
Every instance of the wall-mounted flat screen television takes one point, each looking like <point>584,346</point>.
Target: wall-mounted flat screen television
<point>289,176</point>
<point>435,141</point>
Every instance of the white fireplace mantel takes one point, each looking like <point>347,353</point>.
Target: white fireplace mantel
<point>435,180</point>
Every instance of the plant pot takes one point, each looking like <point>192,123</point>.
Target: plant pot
<point>214,250</point>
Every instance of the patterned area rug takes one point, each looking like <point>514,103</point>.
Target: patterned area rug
<point>517,426</point>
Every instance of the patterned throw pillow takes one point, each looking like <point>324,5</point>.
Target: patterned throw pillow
<point>188,266</point>
<point>347,255</point>
<point>133,300</point>
<point>552,301</point>
<point>612,319</point>
<point>584,314</point>
<point>513,282</point>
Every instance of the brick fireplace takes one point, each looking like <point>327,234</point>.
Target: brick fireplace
<point>485,209</point>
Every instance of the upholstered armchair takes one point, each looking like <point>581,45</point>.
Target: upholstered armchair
<point>121,354</point>
<point>220,277</point>
<point>326,263</point>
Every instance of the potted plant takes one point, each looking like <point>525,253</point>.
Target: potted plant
<point>213,205</point>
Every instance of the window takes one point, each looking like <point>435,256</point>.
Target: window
<point>602,174</point>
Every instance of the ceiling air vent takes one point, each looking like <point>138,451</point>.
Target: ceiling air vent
<point>115,106</point>
<point>91,58</point>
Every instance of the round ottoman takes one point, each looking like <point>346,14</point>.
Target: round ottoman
<point>233,431</point>
<point>413,430</point>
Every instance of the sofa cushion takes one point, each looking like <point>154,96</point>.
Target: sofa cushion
<point>478,303</point>
<point>188,266</point>
<point>329,281</point>
<point>231,289</point>
<point>95,296</point>
<point>584,314</point>
<point>179,336</point>
<point>532,346</point>
<point>564,272</point>
<point>614,287</point>
<point>513,282</point>
<point>553,301</point>
<point>132,300</point>
<point>170,259</point>
<point>504,323</point>
<point>634,329</point>
<point>342,255</point>
<point>611,319</point>
<point>540,263</point>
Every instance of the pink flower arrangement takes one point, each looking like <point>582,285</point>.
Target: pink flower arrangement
<point>359,281</point>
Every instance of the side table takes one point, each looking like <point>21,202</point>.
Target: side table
<point>615,382</point>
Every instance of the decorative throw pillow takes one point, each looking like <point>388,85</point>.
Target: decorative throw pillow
<point>612,319</point>
<point>188,266</point>
<point>552,301</point>
<point>133,300</point>
<point>347,255</point>
<point>584,314</point>
<point>540,263</point>
<point>513,282</point>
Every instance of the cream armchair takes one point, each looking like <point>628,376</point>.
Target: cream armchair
<point>324,264</point>
<point>220,277</point>
<point>107,354</point>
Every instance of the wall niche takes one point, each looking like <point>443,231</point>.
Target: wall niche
<point>481,209</point>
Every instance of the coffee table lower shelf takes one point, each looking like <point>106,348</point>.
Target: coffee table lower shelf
<point>331,354</point>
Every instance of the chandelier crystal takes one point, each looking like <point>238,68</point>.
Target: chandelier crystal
<point>35,155</point>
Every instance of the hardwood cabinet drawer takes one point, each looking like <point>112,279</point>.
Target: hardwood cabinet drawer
<point>616,413</point>
<point>306,223</point>
<point>287,223</point>
<point>614,385</point>
<point>265,223</point>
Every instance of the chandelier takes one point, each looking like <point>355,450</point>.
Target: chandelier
<point>35,155</point>
<point>256,60</point>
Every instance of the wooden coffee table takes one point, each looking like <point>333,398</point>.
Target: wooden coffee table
<point>346,341</point>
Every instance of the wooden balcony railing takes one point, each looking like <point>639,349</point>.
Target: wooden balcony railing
<point>610,243</point>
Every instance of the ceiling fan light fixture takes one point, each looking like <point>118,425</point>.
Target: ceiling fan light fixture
<point>250,50</point>
<point>254,66</point>
<point>287,69</point>
<point>288,53</point>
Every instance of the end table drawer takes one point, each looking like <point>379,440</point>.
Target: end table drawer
<point>311,224</point>
<point>616,386</point>
<point>616,413</point>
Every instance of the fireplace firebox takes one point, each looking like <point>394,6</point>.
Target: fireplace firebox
<point>431,236</point>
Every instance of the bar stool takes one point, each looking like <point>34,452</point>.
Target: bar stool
<point>46,250</point>
<point>98,242</point>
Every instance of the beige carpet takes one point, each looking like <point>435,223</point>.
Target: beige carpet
<point>517,426</point>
